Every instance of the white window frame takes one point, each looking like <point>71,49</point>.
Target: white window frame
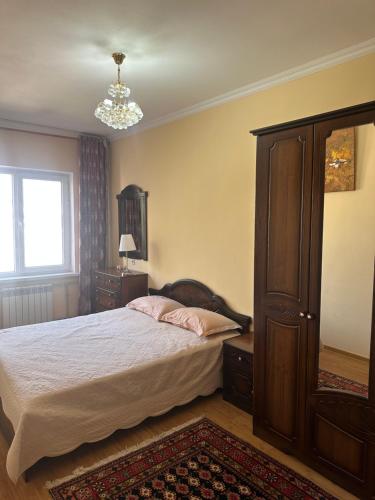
<point>18,174</point>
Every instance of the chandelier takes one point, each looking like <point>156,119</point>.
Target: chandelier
<point>119,112</point>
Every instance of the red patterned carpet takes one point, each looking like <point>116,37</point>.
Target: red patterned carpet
<point>333,381</point>
<point>200,461</point>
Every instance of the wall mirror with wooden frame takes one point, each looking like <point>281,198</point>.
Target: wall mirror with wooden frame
<point>348,249</point>
<point>132,219</point>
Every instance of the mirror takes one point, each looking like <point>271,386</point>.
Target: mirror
<point>348,260</point>
<point>132,219</point>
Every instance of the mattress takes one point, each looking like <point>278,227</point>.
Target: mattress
<point>77,380</point>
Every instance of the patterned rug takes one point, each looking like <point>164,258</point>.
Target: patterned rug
<point>333,381</point>
<point>199,461</point>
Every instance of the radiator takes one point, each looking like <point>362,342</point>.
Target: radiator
<point>26,305</point>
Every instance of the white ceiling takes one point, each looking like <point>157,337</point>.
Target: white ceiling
<point>55,56</point>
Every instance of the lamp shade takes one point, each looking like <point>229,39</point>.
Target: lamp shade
<point>126,243</point>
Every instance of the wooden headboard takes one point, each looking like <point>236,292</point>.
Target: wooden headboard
<point>192,293</point>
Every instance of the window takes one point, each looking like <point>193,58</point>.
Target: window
<point>35,222</point>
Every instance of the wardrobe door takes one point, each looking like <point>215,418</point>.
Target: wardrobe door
<point>341,328</point>
<point>283,206</point>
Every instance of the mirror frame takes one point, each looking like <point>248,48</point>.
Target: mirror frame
<point>133,192</point>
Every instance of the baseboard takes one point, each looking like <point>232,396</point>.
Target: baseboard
<point>347,353</point>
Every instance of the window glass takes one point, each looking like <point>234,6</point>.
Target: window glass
<point>42,219</point>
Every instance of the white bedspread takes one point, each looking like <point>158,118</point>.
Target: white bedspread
<point>77,380</point>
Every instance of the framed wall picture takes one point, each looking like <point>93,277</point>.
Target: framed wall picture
<point>340,161</point>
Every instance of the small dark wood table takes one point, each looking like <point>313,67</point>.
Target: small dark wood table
<point>113,289</point>
<point>238,371</point>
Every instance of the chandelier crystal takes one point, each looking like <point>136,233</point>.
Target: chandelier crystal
<point>119,112</point>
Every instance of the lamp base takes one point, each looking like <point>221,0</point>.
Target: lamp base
<point>125,269</point>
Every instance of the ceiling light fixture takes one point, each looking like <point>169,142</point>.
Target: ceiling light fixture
<point>119,113</point>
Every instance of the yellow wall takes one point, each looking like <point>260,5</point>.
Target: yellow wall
<point>348,255</point>
<point>45,152</point>
<point>200,174</point>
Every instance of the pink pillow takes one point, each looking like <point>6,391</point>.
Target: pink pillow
<point>154,305</point>
<point>200,321</point>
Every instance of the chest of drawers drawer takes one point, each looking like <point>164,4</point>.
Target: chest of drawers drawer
<point>112,284</point>
<point>114,289</point>
<point>106,299</point>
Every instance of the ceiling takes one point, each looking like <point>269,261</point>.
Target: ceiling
<point>55,56</point>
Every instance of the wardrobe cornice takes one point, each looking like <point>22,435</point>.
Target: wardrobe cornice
<point>309,120</point>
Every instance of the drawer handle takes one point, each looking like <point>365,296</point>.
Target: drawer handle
<point>239,358</point>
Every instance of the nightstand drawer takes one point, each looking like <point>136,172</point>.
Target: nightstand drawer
<point>240,360</point>
<point>238,390</point>
<point>106,299</point>
<point>111,283</point>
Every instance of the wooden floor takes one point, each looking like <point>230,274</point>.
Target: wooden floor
<point>219,411</point>
<point>345,365</point>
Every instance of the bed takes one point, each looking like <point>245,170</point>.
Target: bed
<point>78,380</point>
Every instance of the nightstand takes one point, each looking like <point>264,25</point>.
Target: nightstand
<point>113,290</point>
<point>238,371</point>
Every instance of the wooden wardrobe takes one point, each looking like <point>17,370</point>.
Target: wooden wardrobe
<point>331,430</point>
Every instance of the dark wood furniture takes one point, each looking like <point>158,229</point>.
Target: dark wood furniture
<point>238,371</point>
<point>113,289</point>
<point>330,430</point>
<point>132,219</point>
<point>192,293</point>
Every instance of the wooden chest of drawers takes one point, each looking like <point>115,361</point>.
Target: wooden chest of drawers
<point>112,289</point>
<point>238,371</point>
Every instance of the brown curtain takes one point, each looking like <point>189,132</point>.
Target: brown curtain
<point>94,156</point>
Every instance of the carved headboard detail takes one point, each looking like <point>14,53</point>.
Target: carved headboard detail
<point>192,293</point>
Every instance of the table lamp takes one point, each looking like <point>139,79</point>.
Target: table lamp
<point>126,245</point>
